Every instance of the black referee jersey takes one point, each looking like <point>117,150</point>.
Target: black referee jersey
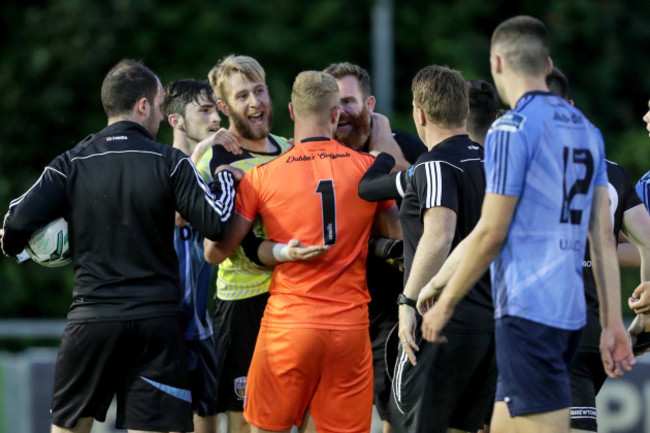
<point>118,190</point>
<point>622,197</point>
<point>450,175</point>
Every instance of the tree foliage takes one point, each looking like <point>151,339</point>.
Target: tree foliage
<point>55,54</point>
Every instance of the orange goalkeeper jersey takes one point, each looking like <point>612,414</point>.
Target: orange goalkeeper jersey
<point>311,193</point>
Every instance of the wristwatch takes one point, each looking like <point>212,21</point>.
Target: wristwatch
<point>402,299</point>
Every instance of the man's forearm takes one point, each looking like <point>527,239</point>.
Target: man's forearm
<point>605,268</point>
<point>607,277</point>
<point>433,248</point>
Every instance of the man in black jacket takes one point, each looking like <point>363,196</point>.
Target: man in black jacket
<point>118,189</point>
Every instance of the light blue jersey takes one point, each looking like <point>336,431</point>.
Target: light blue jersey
<point>196,275</point>
<point>549,155</point>
<point>643,190</point>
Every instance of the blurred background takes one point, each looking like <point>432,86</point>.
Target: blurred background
<point>55,53</point>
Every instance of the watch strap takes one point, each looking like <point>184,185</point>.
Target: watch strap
<point>402,299</point>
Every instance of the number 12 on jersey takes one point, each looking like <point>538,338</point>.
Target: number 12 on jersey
<point>580,186</point>
<point>328,209</point>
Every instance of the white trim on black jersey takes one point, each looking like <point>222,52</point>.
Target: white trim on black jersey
<point>15,201</point>
<point>434,181</point>
<point>434,184</point>
<point>115,151</point>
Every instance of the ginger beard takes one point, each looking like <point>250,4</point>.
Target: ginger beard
<point>353,129</point>
<point>248,128</point>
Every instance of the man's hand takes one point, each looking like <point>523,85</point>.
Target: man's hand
<point>237,173</point>
<point>222,137</point>
<point>639,302</point>
<point>297,251</point>
<point>434,320</point>
<point>381,140</point>
<point>616,350</point>
<point>406,332</point>
<point>428,296</point>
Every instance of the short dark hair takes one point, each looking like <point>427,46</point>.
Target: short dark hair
<point>483,107</point>
<point>558,83</point>
<point>126,83</point>
<point>523,41</point>
<point>182,92</point>
<point>443,94</point>
<point>344,69</point>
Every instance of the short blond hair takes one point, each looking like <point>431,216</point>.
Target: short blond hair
<point>314,93</point>
<point>443,94</point>
<point>245,65</point>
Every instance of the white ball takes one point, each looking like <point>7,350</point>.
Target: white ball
<point>48,246</point>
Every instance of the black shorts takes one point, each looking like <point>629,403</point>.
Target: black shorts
<point>534,362</point>
<point>587,377</point>
<point>203,376</point>
<point>236,325</point>
<point>452,385</point>
<point>143,362</point>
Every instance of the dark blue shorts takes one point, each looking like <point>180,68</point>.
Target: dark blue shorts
<point>534,362</point>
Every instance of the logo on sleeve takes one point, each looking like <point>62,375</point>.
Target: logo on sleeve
<point>510,122</point>
<point>117,137</point>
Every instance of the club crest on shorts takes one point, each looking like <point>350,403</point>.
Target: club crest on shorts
<point>240,387</point>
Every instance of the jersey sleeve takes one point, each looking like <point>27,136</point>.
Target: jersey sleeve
<point>378,184</point>
<point>248,198</point>
<point>506,156</point>
<point>643,190</point>
<point>204,165</point>
<point>43,202</point>
<point>601,168</point>
<point>207,209</point>
<point>436,185</point>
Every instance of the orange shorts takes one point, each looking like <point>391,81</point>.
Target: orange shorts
<point>329,372</point>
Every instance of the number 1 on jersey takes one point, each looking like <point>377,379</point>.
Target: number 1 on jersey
<point>328,206</point>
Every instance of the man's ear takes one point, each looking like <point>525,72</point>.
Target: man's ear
<point>291,112</point>
<point>496,63</point>
<point>370,104</point>
<point>421,116</point>
<point>142,106</point>
<point>336,112</point>
<point>176,121</point>
<point>223,107</point>
<point>549,65</point>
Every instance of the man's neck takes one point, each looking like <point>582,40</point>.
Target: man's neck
<point>263,145</point>
<point>302,130</point>
<point>182,143</point>
<point>435,135</point>
<point>112,120</point>
<point>518,85</point>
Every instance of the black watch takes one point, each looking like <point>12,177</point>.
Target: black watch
<point>402,299</point>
